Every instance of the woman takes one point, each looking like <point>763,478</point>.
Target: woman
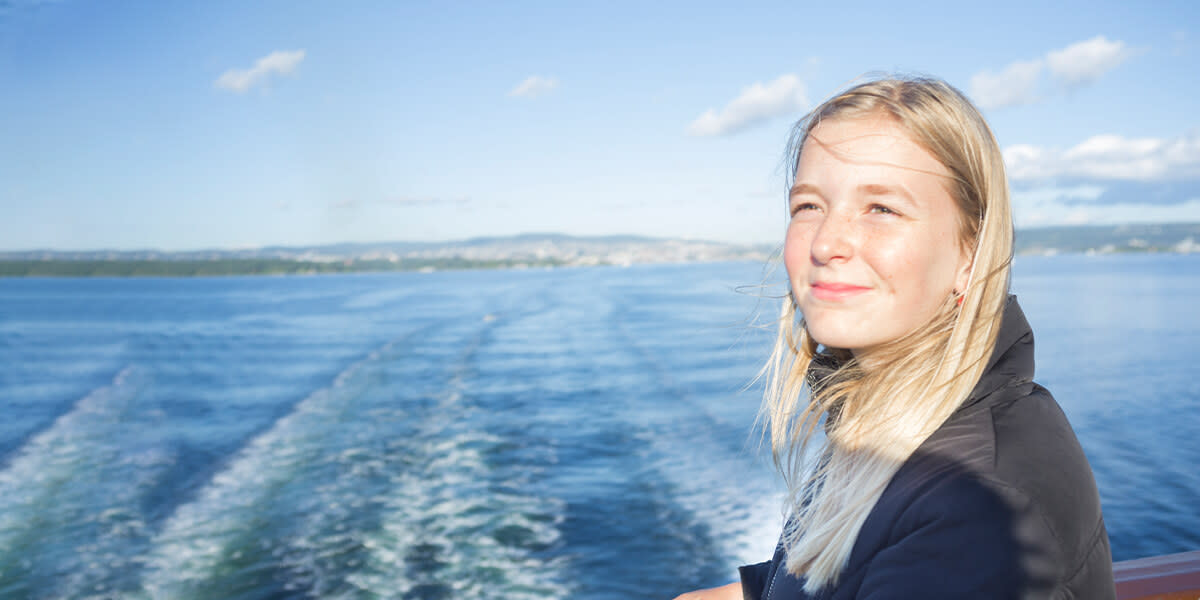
<point>943,470</point>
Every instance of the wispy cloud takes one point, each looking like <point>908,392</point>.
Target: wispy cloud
<point>280,62</point>
<point>756,103</point>
<point>1109,157</point>
<point>1083,62</point>
<point>533,86</point>
<point>1014,85</point>
<point>1074,66</point>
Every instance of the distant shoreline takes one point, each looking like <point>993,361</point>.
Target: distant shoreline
<point>232,267</point>
<point>525,251</point>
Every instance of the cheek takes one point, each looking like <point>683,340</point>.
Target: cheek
<point>917,271</point>
<point>903,264</point>
<point>795,252</point>
<point>885,252</point>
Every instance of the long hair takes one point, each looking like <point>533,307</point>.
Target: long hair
<point>875,418</point>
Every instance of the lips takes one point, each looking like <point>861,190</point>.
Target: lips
<point>835,292</point>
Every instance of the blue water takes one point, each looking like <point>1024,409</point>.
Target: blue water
<point>571,433</point>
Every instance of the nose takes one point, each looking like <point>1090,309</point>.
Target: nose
<point>833,240</point>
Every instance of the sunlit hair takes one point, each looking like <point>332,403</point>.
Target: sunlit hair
<point>878,408</point>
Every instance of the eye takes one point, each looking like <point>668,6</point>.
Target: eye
<point>880,209</point>
<point>800,207</point>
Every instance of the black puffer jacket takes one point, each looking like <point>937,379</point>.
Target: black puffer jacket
<point>998,503</point>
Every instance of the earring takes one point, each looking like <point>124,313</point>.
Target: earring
<point>959,301</point>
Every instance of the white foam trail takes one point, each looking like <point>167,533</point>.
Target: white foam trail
<point>341,497</point>
<point>460,519</point>
<point>737,497</point>
<point>70,521</point>
<point>448,526</point>
<point>203,538</point>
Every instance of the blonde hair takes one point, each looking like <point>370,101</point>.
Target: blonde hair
<point>876,417</point>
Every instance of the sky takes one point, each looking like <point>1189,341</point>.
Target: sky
<point>232,124</point>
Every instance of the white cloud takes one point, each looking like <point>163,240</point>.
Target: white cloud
<point>1015,85</point>
<point>278,62</point>
<point>534,86</point>
<point>1084,62</point>
<point>1109,157</point>
<point>756,103</point>
<point>1107,179</point>
<point>1074,66</point>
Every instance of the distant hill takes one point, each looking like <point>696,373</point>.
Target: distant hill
<point>524,251</point>
<point>1104,239</point>
<point>520,251</point>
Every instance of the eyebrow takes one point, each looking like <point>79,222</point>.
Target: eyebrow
<point>879,189</point>
<point>867,189</point>
<point>804,188</point>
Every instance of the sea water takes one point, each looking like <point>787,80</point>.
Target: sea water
<point>569,433</point>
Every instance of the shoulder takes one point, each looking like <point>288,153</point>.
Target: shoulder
<point>1017,442</point>
<point>1038,462</point>
<point>1004,494</point>
<point>1036,452</point>
<point>1042,471</point>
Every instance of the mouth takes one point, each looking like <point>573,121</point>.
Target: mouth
<point>834,292</point>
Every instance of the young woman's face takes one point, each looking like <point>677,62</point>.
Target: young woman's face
<point>872,250</point>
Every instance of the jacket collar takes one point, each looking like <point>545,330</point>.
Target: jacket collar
<point>1012,356</point>
<point>1011,359</point>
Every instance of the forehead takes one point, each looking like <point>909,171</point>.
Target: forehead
<point>871,141</point>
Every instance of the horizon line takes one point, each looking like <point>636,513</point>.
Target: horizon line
<point>514,236</point>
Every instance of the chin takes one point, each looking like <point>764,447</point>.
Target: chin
<point>834,339</point>
<point>833,330</point>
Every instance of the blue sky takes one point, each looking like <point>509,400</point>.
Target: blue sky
<point>237,124</point>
